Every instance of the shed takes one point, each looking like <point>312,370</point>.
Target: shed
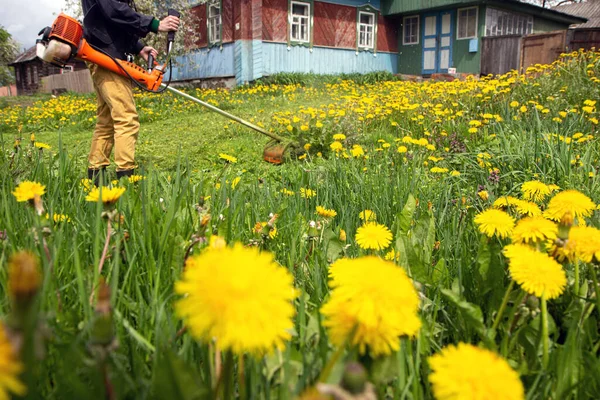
<point>29,70</point>
<point>586,35</point>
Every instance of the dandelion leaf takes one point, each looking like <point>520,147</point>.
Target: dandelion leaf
<point>471,314</point>
<point>174,379</point>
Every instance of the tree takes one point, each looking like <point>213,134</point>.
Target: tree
<point>551,3</point>
<point>8,51</point>
<point>188,29</point>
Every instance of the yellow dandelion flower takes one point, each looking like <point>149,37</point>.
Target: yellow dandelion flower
<point>505,202</point>
<point>535,190</point>
<point>514,104</point>
<point>537,273</point>
<point>235,182</point>
<point>41,145</point>
<point>339,136</point>
<point>373,236</point>
<point>336,146</point>
<point>468,372</point>
<point>228,158</point>
<point>569,202</point>
<point>367,215</point>
<point>357,151</point>
<point>326,212</point>
<point>24,281</point>
<point>109,195</point>
<point>57,218</point>
<point>483,195</point>
<point>454,173</point>
<point>402,149</point>
<point>86,184</point>
<point>136,178</point>
<point>583,244</point>
<point>533,230</point>
<point>28,190</point>
<point>287,192</point>
<point>307,193</point>
<point>495,222</point>
<point>249,314</point>
<point>10,368</point>
<point>438,170</point>
<point>342,235</point>
<point>528,208</point>
<point>375,301</point>
<point>391,255</point>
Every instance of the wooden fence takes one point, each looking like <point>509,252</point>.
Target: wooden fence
<point>8,91</point>
<point>500,54</point>
<point>542,48</point>
<point>78,81</point>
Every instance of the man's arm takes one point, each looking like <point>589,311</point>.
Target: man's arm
<point>126,18</point>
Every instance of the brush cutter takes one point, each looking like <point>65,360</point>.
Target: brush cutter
<point>64,41</point>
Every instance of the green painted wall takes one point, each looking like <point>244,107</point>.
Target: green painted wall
<point>543,25</point>
<point>406,6</point>
<point>410,60</point>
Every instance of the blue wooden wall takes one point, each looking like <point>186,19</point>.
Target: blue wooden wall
<point>204,63</point>
<point>278,58</point>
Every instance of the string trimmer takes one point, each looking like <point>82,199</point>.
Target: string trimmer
<point>64,41</point>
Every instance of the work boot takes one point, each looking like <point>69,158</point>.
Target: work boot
<point>127,173</point>
<point>97,175</point>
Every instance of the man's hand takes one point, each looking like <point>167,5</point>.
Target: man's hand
<point>146,51</point>
<point>169,24</point>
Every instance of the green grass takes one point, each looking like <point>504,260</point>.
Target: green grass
<point>461,276</point>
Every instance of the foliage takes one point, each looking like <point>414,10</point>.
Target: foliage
<point>424,158</point>
<point>8,52</point>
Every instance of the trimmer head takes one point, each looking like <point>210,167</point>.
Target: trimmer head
<point>274,153</point>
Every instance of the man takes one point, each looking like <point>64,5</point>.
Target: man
<point>116,28</point>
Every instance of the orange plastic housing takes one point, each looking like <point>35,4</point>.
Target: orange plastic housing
<point>67,29</point>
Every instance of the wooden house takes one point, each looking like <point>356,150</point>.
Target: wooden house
<point>249,39</point>
<point>442,35</point>
<point>29,70</point>
<point>243,40</point>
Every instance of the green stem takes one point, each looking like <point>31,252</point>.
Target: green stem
<point>544,330</point>
<point>596,288</point>
<point>576,278</point>
<point>242,378</point>
<point>503,306</point>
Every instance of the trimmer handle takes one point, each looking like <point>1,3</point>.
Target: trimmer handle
<point>175,13</point>
<point>150,62</point>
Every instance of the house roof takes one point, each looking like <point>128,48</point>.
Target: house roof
<point>27,55</point>
<point>391,7</point>
<point>589,10</point>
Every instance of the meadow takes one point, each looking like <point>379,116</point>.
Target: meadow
<point>422,240</point>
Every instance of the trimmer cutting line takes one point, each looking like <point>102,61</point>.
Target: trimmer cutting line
<point>64,41</point>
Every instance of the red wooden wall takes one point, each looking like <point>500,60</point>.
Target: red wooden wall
<point>334,25</point>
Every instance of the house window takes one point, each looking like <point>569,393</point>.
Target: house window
<point>300,22</point>
<point>214,23</point>
<point>17,74</point>
<point>67,68</point>
<point>28,74</point>
<point>500,22</point>
<point>467,23</point>
<point>411,30</point>
<point>366,30</point>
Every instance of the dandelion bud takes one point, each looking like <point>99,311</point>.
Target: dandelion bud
<point>342,235</point>
<point>354,379</point>
<point>313,232</point>
<point>24,277</point>
<point>205,220</point>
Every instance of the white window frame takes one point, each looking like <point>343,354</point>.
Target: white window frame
<point>522,22</point>
<point>308,22</point>
<point>458,23</point>
<point>418,17</point>
<point>366,26</point>
<point>214,23</point>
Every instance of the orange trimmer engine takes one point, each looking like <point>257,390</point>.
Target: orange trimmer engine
<point>64,41</point>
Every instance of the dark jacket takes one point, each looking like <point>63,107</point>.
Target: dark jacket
<point>113,26</point>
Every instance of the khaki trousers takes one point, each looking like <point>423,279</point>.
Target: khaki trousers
<point>118,122</point>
